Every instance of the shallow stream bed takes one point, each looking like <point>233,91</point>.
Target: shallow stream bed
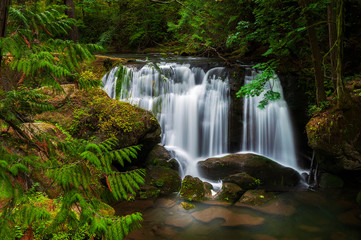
<point>294,215</point>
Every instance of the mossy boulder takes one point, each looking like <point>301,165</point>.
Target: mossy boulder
<point>193,189</point>
<point>243,180</point>
<point>166,181</point>
<point>230,192</point>
<point>159,156</point>
<point>335,134</point>
<point>87,114</point>
<point>272,176</point>
<point>330,181</point>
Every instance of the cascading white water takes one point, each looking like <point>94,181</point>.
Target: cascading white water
<point>190,105</point>
<point>268,131</point>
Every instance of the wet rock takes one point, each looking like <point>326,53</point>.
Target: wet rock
<point>179,221</point>
<point>166,180</point>
<point>217,203</point>
<point>330,181</point>
<point>128,207</point>
<point>336,137</point>
<point>338,236</point>
<point>275,206</point>
<point>192,189</point>
<point>231,219</point>
<point>309,228</point>
<point>351,217</point>
<point>230,192</point>
<point>272,175</point>
<point>263,237</point>
<point>164,231</point>
<point>187,206</point>
<point>256,197</point>
<point>159,156</point>
<point>243,180</point>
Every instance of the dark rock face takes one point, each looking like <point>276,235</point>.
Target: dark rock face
<point>330,181</point>
<point>335,135</point>
<point>243,180</point>
<point>272,175</point>
<point>159,156</point>
<point>229,192</point>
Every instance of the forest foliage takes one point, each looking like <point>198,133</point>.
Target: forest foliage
<point>316,40</point>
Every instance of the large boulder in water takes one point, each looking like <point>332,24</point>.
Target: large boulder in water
<point>272,175</point>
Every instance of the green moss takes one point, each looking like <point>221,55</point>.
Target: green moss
<point>192,189</point>
<point>187,206</point>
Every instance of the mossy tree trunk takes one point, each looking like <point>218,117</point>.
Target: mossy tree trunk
<point>343,97</point>
<point>332,37</point>
<point>316,52</point>
<point>4,10</point>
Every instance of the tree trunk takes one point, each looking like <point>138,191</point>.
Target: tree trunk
<point>4,10</point>
<point>332,35</point>
<point>316,54</point>
<point>343,97</point>
<point>73,34</point>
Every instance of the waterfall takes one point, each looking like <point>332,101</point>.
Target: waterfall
<point>192,107</point>
<point>190,104</point>
<point>268,131</point>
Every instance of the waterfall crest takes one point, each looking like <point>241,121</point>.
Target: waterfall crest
<point>268,131</point>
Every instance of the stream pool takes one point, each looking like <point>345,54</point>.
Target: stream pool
<point>299,215</point>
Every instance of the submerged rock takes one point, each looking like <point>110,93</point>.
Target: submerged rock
<point>179,221</point>
<point>231,218</point>
<point>272,175</point>
<point>256,197</point>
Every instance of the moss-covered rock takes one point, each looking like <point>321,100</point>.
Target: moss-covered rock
<point>335,134</point>
<point>330,181</point>
<point>159,156</point>
<point>166,181</point>
<point>186,205</point>
<point>272,176</point>
<point>230,192</point>
<point>92,113</point>
<point>192,189</point>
